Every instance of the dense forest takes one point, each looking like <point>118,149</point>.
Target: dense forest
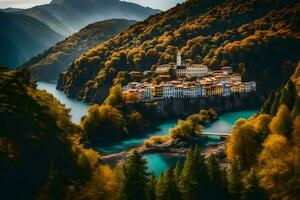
<point>259,39</point>
<point>48,65</point>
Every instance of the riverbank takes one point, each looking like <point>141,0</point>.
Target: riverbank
<point>175,148</point>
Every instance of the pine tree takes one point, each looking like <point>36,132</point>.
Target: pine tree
<point>268,103</point>
<point>188,182</point>
<point>135,183</point>
<point>168,188</point>
<point>151,188</point>
<point>177,172</point>
<point>216,179</point>
<point>234,179</point>
<point>203,178</point>
<point>296,109</point>
<point>289,94</point>
<point>276,103</point>
<point>252,191</point>
<point>194,182</point>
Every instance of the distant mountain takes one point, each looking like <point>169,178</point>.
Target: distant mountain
<point>69,16</point>
<point>48,65</point>
<point>21,37</point>
<point>11,10</point>
<point>259,38</point>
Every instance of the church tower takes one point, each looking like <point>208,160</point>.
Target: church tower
<point>178,59</point>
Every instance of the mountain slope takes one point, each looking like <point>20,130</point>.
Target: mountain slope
<point>21,37</point>
<point>69,16</point>
<point>48,65</point>
<point>247,35</point>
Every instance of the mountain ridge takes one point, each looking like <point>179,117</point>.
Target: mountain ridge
<point>49,64</point>
<point>22,37</point>
<point>76,14</point>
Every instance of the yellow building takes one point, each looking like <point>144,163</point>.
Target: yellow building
<point>157,91</point>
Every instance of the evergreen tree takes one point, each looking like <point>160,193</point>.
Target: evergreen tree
<point>135,182</point>
<point>202,175</point>
<point>151,190</point>
<point>268,103</point>
<point>168,188</point>
<point>216,179</point>
<point>289,94</point>
<point>188,182</point>
<point>194,181</point>
<point>234,179</point>
<point>177,172</point>
<point>276,103</point>
<point>252,191</point>
<point>296,109</point>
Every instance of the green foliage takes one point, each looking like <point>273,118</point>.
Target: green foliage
<point>136,178</point>
<point>194,181</point>
<point>252,190</point>
<point>151,188</point>
<point>217,183</point>
<point>276,103</point>
<point>167,188</point>
<point>234,178</point>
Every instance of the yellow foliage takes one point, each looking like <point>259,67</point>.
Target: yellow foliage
<point>157,140</point>
<point>276,163</point>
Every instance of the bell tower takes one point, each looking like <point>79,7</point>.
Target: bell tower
<point>178,58</point>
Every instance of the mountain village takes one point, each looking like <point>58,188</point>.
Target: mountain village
<point>191,81</point>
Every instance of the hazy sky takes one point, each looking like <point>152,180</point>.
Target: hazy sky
<point>160,4</point>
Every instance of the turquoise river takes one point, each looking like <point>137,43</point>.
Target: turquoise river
<point>156,162</point>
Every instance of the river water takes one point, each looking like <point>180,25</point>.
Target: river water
<point>157,163</point>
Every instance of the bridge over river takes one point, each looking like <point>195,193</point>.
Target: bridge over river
<point>223,135</point>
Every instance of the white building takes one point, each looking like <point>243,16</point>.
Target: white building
<point>196,71</point>
<point>250,86</point>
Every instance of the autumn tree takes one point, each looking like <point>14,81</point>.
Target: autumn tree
<point>104,121</point>
<point>115,96</point>
<point>242,144</point>
<point>282,122</point>
<point>276,163</point>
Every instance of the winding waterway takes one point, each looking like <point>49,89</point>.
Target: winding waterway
<point>156,162</point>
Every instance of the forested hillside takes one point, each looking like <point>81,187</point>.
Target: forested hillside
<point>269,143</point>
<point>69,16</point>
<point>48,65</point>
<point>259,39</point>
<point>22,37</point>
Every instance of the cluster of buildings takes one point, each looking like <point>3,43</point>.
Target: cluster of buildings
<point>192,81</point>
